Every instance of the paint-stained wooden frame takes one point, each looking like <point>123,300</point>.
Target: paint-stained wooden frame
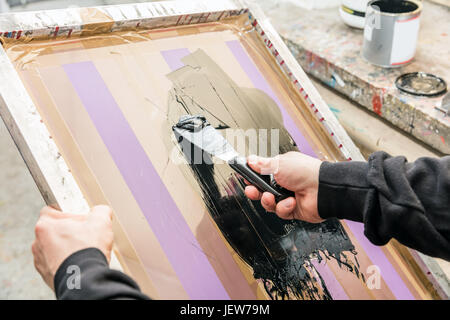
<point>49,170</point>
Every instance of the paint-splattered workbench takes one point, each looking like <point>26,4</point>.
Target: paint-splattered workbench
<point>329,50</point>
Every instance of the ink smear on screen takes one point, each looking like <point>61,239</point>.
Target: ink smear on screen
<point>280,252</point>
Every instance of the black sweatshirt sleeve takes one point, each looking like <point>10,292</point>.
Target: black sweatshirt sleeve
<point>96,280</point>
<point>393,198</point>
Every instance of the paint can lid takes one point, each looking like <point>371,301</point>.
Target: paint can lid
<point>421,84</point>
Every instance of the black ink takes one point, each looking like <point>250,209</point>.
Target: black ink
<point>279,251</point>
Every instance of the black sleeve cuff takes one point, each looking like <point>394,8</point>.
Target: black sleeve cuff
<point>343,188</point>
<point>89,256</point>
<point>85,275</point>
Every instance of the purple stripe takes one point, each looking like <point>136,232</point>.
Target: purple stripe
<point>260,83</point>
<point>325,272</point>
<point>377,256</point>
<point>173,57</point>
<point>174,235</point>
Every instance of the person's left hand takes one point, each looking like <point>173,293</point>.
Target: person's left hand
<point>60,234</point>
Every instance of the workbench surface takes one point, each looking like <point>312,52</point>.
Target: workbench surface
<point>329,50</point>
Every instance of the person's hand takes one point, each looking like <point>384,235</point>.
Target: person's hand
<point>60,234</point>
<point>293,171</point>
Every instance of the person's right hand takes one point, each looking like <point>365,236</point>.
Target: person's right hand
<point>293,171</point>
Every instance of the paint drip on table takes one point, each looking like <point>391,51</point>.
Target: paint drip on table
<point>280,252</point>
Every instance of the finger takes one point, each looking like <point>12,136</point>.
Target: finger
<point>285,208</point>
<point>35,248</point>
<point>262,165</point>
<point>42,226</point>
<point>37,256</point>
<point>252,193</point>
<point>246,182</point>
<point>50,212</point>
<point>268,201</point>
<point>101,212</point>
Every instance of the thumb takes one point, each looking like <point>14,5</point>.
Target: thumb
<point>101,212</point>
<point>262,165</point>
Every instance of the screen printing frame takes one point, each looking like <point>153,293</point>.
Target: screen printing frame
<point>48,168</point>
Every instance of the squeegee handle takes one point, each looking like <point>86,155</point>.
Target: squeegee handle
<point>265,183</point>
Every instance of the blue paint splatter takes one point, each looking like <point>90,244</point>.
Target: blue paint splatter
<point>332,82</point>
<point>335,111</point>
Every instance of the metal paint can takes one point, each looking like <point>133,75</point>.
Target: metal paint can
<point>390,32</point>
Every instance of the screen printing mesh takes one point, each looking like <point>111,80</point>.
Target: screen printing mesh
<point>187,231</point>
